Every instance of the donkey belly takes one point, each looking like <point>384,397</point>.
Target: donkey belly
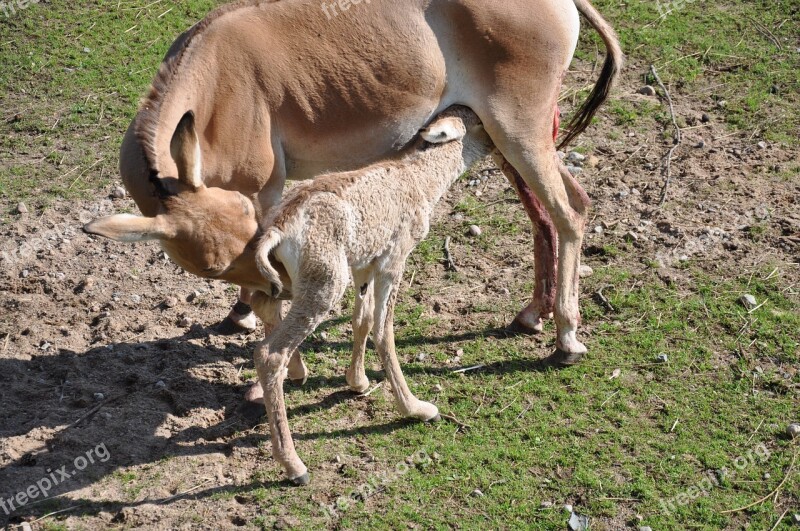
<point>362,91</point>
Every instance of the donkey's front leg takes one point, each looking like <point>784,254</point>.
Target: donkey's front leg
<point>386,287</point>
<point>241,317</point>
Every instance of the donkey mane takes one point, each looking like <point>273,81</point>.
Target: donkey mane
<point>149,113</point>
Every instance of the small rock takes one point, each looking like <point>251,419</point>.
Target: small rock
<point>22,209</point>
<point>722,104</point>
<point>86,49</point>
<point>505,291</point>
<point>645,528</point>
<point>567,507</point>
<point>662,358</point>
<point>585,271</point>
<point>701,144</point>
<point>337,459</point>
<point>796,516</point>
<point>683,258</point>
<point>118,192</point>
<point>574,170</point>
<point>185,322</point>
<point>622,194</point>
<point>25,526</point>
<point>748,301</point>
<point>767,475</point>
<point>576,158</point>
<point>647,90</point>
<point>45,345</point>
<point>421,356</point>
<point>475,230</point>
<point>631,236</point>
<point>161,385</point>
<point>705,118</point>
<point>561,154</point>
<point>635,191</point>
<point>477,493</point>
<point>437,388</point>
<point>25,273</point>
<point>578,522</point>
<point>170,302</point>
<point>136,299</point>
<point>615,374</point>
<point>99,397</point>
<point>546,504</point>
<point>793,430</point>
<point>762,145</point>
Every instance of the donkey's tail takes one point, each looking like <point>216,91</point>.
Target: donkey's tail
<point>272,238</point>
<point>611,70</point>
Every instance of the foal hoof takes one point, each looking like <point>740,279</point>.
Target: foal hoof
<point>229,327</point>
<point>562,358</point>
<point>301,481</point>
<point>437,418</point>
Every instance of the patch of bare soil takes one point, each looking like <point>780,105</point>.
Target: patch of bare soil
<point>109,347</point>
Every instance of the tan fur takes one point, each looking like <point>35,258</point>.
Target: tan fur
<point>280,91</point>
<point>366,223</point>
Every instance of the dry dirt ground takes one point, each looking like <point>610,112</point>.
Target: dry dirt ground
<point>111,344</point>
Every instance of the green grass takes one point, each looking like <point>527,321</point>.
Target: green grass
<point>613,447</point>
<point>715,52</point>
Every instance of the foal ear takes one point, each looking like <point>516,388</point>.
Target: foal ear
<point>185,150</point>
<point>444,130</point>
<point>128,228</point>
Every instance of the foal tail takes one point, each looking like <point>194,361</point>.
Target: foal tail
<point>272,238</point>
<point>611,70</point>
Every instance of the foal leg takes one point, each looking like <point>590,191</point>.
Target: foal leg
<point>268,310</point>
<point>531,319</point>
<point>362,324</point>
<point>272,359</point>
<point>386,287</point>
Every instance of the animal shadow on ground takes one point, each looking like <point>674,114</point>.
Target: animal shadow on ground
<point>149,401</point>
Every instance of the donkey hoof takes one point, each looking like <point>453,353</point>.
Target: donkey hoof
<point>519,327</point>
<point>437,418</point>
<point>300,382</point>
<point>301,481</point>
<point>562,358</point>
<point>229,327</point>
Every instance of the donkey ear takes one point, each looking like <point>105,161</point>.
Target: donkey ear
<point>128,228</point>
<point>185,150</point>
<point>444,130</point>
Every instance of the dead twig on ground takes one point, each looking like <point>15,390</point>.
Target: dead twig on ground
<point>461,425</point>
<point>772,493</point>
<point>449,263</point>
<point>677,138</point>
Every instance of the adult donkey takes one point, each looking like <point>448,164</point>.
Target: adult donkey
<point>285,89</point>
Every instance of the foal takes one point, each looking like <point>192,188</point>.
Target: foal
<point>363,222</point>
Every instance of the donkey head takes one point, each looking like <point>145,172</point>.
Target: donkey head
<point>209,232</point>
